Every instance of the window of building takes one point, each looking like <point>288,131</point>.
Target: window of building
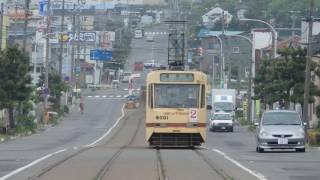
<point>210,45</point>
<point>235,50</point>
<point>38,69</point>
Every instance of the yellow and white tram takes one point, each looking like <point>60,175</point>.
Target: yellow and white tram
<point>176,110</point>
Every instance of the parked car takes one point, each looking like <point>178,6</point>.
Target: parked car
<point>221,121</point>
<point>280,129</point>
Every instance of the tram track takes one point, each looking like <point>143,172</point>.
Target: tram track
<point>216,170</point>
<point>160,167</point>
<point>106,167</point>
<point>84,149</point>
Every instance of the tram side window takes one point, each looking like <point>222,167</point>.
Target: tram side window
<point>150,95</point>
<point>203,96</point>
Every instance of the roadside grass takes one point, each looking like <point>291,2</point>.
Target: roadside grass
<point>3,137</point>
<point>314,137</point>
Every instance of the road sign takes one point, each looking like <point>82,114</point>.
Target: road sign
<point>43,7</point>
<point>100,55</point>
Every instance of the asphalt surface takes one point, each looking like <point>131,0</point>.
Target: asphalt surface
<point>100,145</point>
<point>240,145</point>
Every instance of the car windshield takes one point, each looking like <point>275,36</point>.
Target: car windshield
<point>223,106</point>
<point>176,96</point>
<point>222,117</point>
<point>281,118</point>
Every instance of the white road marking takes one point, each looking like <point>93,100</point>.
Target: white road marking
<point>104,96</point>
<point>90,96</point>
<point>126,89</point>
<point>118,96</point>
<point>97,96</point>
<point>31,164</point>
<point>111,96</point>
<point>93,144</point>
<point>254,173</point>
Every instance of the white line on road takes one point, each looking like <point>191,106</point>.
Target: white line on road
<point>256,174</point>
<point>126,89</point>
<point>111,96</point>
<point>93,144</point>
<point>104,96</point>
<point>31,164</point>
<point>118,96</point>
<point>89,96</point>
<point>97,96</point>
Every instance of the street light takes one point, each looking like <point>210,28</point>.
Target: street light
<point>222,65</point>
<point>274,34</point>
<point>250,112</point>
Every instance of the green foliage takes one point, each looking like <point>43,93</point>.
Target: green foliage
<point>276,78</point>
<point>56,87</point>
<point>314,137</point>
<point>243,121</point>
<point>14,78</point>
<point>25,124</point>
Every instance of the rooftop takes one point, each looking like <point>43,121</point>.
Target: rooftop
<point>203,33</point>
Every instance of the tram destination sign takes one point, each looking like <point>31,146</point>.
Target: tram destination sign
<point>176,77</point>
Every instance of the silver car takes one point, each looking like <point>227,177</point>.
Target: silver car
<point>280,129</point>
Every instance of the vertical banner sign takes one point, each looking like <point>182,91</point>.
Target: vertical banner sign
<point>258,107</point>
<point>245,108</point>
<point>193,115</point>
<point>43,7</point>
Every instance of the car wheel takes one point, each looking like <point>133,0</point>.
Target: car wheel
<point>301,149</point>
<point>231,130</point>
<point>259,149</point>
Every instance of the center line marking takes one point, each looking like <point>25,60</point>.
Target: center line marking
<point>256,174</point>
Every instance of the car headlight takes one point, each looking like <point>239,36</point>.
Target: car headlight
<point>300,133</point>
<point>263,134</point>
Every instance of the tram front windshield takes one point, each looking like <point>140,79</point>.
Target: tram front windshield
<point>177,95</point>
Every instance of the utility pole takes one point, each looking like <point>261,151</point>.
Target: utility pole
<point>1,25</point>
<point>78,48</point>
<point>72,48</point>
<point>306,94</point>
<point>61,41</point>
<point>46,83</point>
<point>26,16</point>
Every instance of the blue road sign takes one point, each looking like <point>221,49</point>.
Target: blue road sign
<point>100,55</point>
<point>43,7</point>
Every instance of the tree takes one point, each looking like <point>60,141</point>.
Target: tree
<point>56,87</point>
<point>282,79</point>
<point>14,68</point>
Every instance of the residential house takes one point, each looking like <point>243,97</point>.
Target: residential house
<point>235,55</point>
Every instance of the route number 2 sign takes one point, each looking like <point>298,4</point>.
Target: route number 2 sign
<point>193,115</point>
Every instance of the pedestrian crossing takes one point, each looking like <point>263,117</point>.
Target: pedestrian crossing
<point>108,96</point>
<point>126,89</point>
<point>156,33</point>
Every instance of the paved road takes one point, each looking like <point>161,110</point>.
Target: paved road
<point>74,131</point>
<point>283,165</point>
